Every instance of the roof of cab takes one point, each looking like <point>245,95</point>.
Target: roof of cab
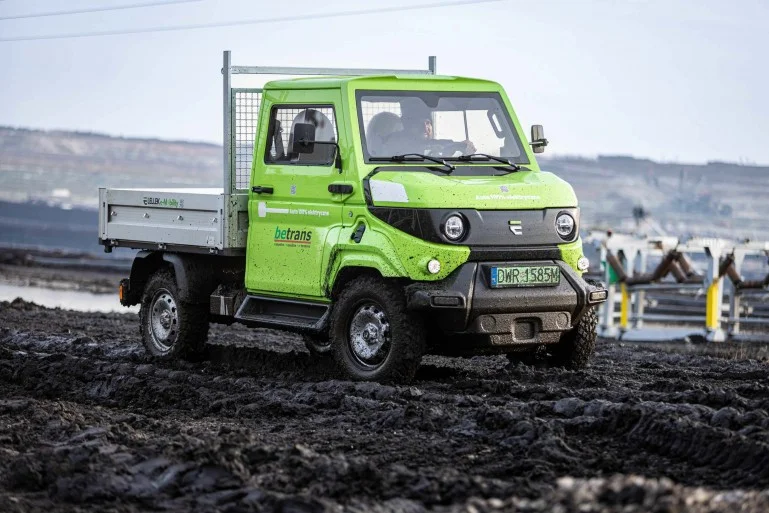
<point>374,81</point>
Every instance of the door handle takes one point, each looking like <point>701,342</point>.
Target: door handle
<point>340,188</point>
<point>259,189</point>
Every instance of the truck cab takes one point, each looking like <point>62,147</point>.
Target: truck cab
<point>388,216</point>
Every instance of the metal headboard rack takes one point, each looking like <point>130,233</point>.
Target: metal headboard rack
<point>240,110</point>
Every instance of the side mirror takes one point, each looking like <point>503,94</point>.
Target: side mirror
<point>304,138</point>
<point>538,141</point>
<point>304,142</point>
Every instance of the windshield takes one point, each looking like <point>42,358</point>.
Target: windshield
<point>439,124</point>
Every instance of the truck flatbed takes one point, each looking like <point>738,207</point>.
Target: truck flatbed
<point>196,220</point>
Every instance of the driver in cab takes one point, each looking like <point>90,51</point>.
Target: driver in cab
<point>417,136</point>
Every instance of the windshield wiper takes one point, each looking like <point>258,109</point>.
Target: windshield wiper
<point>410,157</point>
<point>469,158</point>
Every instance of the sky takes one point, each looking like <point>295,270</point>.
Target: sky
<point>671,80</point>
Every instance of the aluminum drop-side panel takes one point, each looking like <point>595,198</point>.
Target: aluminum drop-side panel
<point>191,217</point>
<point>165,225</point>
<point>191,199</point>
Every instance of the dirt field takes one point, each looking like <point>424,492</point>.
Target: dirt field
<point>89,423</point>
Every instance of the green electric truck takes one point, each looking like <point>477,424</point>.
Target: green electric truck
<point>381,214</point>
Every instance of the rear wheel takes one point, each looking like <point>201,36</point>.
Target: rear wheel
<point>171,328</point>
<point>319,346</point>
<point>374,337</point>
<point>535,356</point>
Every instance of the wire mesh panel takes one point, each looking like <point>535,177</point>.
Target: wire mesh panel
<point>380,119</point>
<point>370,109</point>
<point>245,116</point>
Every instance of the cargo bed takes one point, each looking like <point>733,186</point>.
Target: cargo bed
<point>188,220</point>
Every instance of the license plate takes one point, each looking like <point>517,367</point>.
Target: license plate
<point>525,276</point>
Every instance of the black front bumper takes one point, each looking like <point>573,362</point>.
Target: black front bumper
<point>464,305</point>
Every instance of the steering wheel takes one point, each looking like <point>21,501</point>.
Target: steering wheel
<point>444,148</point>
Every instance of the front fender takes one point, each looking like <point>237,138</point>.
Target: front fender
<point>393,253</point>
<point>571,253</point>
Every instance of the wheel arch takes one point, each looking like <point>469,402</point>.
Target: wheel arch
<point>345,265</point>
<point>144,265</point>
<point>196,275</point>
<point>349,273</point>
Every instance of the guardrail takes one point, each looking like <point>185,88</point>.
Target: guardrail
<point>625,260</point>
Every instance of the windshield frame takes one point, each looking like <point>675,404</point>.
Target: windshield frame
<point>522,159</point>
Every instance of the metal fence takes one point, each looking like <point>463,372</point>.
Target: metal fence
<point>690,285</point>
<point>245,116</point>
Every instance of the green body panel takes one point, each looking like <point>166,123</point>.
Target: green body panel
<point>524,190</point>
<point>300,236</point>
<point>392,252</point>
<point>296,227</point>
<point>572,252</point>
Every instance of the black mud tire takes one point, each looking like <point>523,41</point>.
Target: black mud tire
<point>163,312</point>
<point>318,345</point>
<point>405,343</point>
<point>577,345</point>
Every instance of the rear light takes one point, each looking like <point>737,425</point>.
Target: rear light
<point>122,291</point>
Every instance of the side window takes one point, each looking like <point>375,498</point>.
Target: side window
<point>280,136</point>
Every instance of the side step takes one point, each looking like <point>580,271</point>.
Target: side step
<point>283,313</point>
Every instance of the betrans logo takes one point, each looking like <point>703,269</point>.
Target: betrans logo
<point>289,236</point>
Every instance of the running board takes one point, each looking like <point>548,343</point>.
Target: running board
<point>283,313</point>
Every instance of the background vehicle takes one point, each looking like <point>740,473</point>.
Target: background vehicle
<point>345,218</point>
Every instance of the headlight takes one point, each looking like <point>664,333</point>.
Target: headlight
<point>564,225</point>
<point>454,227</point>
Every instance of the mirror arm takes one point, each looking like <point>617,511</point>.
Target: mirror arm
<point>337,153</point>
<point>538,141</point>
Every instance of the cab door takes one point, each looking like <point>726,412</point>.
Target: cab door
<point>293,217</point>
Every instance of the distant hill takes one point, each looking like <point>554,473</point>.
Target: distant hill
<point>67,167</point>
<point>716,199</point>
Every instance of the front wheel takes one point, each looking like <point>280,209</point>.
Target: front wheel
<point>577,345</point>
<point>169,327</point>
<point>373,336</point>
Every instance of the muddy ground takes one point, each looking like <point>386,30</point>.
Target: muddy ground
<point>88,420</point>
<point>89,423</point>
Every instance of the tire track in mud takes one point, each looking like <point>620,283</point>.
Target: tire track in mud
<point>86,416</point>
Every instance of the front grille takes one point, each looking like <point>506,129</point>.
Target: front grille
<point>507,253</point>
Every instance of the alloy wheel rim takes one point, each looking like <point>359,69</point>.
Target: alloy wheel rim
<point>164,320</point>
<point>370,336</point>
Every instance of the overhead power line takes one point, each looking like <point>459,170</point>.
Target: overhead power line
<point>258,21</point>
<point>97,9</point>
